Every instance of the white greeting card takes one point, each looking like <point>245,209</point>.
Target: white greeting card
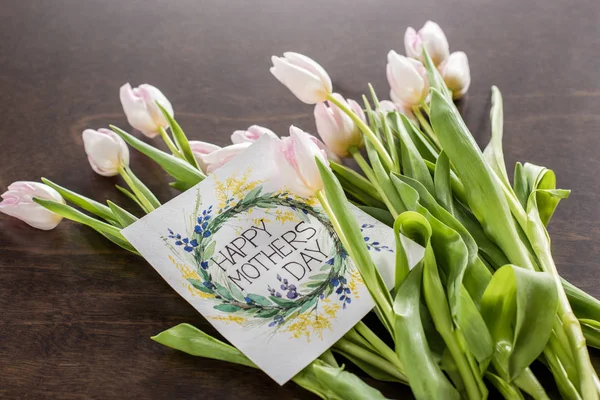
<point>263,266</point>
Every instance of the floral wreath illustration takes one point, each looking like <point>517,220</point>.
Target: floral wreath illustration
<point>277,308</point>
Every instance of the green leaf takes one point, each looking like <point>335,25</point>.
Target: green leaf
<point>372,370</point>
<point>267,313</point>
<point>493,153</point>
<point>534,178</point>
<point>355,178</point>
<point>415,227</point>
<point>309,304</point>
<point>281,301</point>
<point>519,307</point>
<point>144,195</point>
<point>180,139</point>
<point>426,379</point>
<point>383,178</point>
<point>110,232</point>
<point>177,168</point>
<point>253,194</point>
<point>222,291</point>
<point>186,338</point>
<point>200,286</point>
<point>337,208</point>
<point>484,197</point>
<point>319,277</point>
<point>258,299</point>
<point>87,204</point>
<point>435,78</point>
<point>228,308</point>
<point>123,216</point>
<point>413,164</point>
<point>379,214</point>
<point>422,144</point>
<point>334,383</point>
<point>441,181</point>
<point>209,251</point>
<point>181,186</point>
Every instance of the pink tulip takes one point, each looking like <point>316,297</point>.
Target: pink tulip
<point>201,149</point>
<point>141,110</point>
<point>106,151</point>
<point>251,134</point>
<point>429,36</point>
<point>222,156</point>
<point>18,202</point>
<point>336,128</point>
<point>306,79</point>
<point>407,78</point>
<point>397,105</point>
<point>296,158</point>
<point>323,147</point>
<point>456,73</point>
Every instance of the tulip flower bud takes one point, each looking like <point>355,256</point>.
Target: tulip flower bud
<point>252,134</point>
<point>298,166</point>
<point>222,156</point>
<point>306,79</point>
<point>456,73</point>
<point>106,151</point>
<point>18,202</point>
<point>141,110</point>
<point>201,149</point>
<point>397,105</point>
<point>407,79</point>
<point>323,147</point>
<point>429,36</point>
<point>336,128</point>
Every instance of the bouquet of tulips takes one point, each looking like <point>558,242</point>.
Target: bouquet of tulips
<point>483,303</point>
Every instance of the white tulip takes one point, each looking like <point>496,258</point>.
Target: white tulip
<point>432,38</point>
<point>306,79</point>
<point>251,134</point>
<point>407,78</point>
<point>106,151</point>
<point>141,110</point>
<point>18,202</point>
<point>336,128</point>
<point>456,73</point>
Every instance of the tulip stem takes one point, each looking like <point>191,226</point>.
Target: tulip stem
<point>426,127</point>
<point>146,205</point>
<point>165,136</point>
<point>364,165</point>
<point>387,160</point>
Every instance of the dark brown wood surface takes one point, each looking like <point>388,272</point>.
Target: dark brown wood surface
<point>76,312</point>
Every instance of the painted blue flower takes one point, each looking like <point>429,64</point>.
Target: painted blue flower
<point>335,282</point>
<point>204,264</point>
<point>206,234</point>
<point>189,249</point>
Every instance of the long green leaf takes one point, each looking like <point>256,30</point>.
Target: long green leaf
<point>442,183</point>
<point>87,204</point>
<point>493,153</point>
<point>485,198</point>
<point>180,139</point>
<point>519,307</point>
<point>348,230</point>
<point>141,190</point>
<point>426,379</point>
<point>177,168</point>
<point>110,232</point>
<point>124,217</point>
<point>325,381</point>
<point>355,178</point>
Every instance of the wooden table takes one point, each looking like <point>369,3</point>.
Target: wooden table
<point>76,312</point>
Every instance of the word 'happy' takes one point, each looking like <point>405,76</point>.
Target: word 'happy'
<point>268,252</point>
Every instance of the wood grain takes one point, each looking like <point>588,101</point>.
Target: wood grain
<point>77,312</point>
